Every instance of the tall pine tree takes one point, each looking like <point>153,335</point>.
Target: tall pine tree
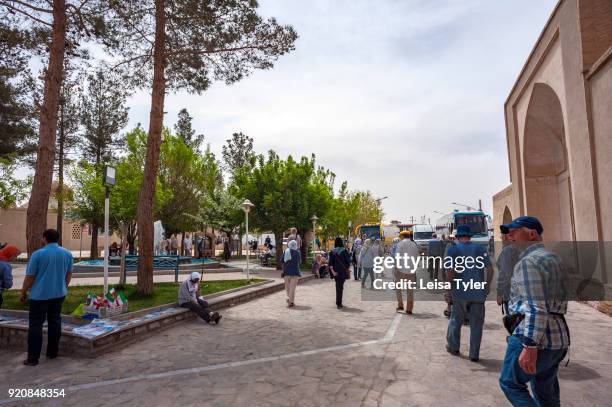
<point>187,44</point>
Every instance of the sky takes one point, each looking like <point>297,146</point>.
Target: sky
<point>400,97</point>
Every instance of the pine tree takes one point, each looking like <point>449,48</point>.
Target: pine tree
<point>237,152</point>
<point>187,44</point>
<point>185,131</point>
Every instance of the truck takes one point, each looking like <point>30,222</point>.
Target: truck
<point>422,235</point>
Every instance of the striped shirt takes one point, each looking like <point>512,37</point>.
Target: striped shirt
<point>538,291</point>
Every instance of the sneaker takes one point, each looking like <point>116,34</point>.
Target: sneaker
<point>218,318</point>
<point>452,352</point>
<point>399,309</point>
<point>29,363</point>
<point>291,305</point>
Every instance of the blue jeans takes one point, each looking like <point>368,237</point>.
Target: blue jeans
<point>368,271</point>
<point>544,384</point>
<point>357,270</point>
<point>459,310</point>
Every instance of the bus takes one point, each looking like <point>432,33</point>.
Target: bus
<point>478,221</point>
<point>371,230</point>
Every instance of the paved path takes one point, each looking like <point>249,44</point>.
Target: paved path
<point>313,355</point>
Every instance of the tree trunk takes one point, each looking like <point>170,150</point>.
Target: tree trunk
<point>147,190</point>
<point>278,237</point>
<point>93,248</point>
<point>124,232</point>
<point>43,175</point>
<point>60,176</point>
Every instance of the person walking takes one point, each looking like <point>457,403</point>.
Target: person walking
<point>468,301</point>
<point>339,266</point>
<point>405,247</point>
<point>47,278</point>
<point>448,298</point>
<point>227,253</point>
<point>366,261</point>
<point>435,250</point>
<point>187,245</point>
<point>539,335</point>
<point>173,245</point>
<point>355,252</point>
<point>505,266</point>
<point>189,297</point>
<point>7,255</point>
<point>291,270</point>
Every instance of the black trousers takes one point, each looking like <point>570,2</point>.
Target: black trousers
<point>41,310</point>
<point>201,308</point>
<point>339,290</point>
<point>1,299</point>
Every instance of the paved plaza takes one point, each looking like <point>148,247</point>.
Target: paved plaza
<point>266,354</point>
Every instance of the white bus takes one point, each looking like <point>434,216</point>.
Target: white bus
<point>478,221</point>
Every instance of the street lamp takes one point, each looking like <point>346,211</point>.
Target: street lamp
<point>469,208</point>
<point>314,220</point>
<point>108,181</point>
<point>246,207</point>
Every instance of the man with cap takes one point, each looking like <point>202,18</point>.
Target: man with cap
<point>405,247</point>
<point>471,266</point>
<point>505,265</point>
<point>189,297</point>
<point>539,336</point>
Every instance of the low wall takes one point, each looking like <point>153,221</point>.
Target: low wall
<point>13,336</point>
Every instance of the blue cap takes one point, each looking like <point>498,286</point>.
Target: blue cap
<point>463,230</point>
<point>529,222</point>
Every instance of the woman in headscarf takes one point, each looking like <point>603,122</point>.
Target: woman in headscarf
<point>7,254</point>
<point>357,245</point>
<point>291,270</point>
<point>366,260</point>
<point>339,265</point>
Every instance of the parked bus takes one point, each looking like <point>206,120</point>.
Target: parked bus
<point>478,221</point>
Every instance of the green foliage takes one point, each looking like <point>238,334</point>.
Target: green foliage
<point>12,190</point>
<point>238,152</point>
<point>185,131</point>
<point>189,176</point>
<point>285,193</point>
<point>358,207</point>
<point>103,115</point>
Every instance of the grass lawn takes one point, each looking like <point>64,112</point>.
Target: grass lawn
<point>164,293</point>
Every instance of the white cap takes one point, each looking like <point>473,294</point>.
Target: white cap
<point>195,275</point>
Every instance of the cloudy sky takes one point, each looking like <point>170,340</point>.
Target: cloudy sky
<point>400,97</point>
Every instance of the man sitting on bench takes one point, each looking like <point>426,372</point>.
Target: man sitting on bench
<point>189,297</point>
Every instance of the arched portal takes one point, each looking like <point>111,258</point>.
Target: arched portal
<point>507,217</point>
<point>547,177</point>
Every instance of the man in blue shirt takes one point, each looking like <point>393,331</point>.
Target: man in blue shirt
<point>470,278</point>
<point>47,278</point>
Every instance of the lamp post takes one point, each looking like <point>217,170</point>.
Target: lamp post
<point>246,207</point>
<point>108,181</point>
<point>314,219</point>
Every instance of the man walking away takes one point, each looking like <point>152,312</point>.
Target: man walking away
<point>435,249</point>
<point>468,301</point>
<point>339,265</point>
<point>7,254</point>
<point>406,247</point>
<point>291,270</point>
<point>505,265</point>
<point>189,297</point>
<point>366,261</point>
<point>539,336</point>
<point>47,278</point>
<point>356,251</point>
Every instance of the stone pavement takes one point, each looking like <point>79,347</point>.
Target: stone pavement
<point>312,355</point>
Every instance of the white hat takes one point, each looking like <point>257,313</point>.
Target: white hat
<point>195,275</point>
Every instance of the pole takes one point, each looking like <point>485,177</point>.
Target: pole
<point>247,244</point>
<point>81,244</point>
<point>314,240</point>
<point>106,210</point>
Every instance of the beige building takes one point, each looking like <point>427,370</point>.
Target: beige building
<point>559,131</point>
